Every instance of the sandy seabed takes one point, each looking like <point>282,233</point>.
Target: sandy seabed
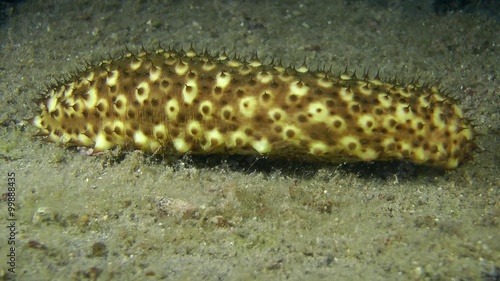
<point>133,216</point>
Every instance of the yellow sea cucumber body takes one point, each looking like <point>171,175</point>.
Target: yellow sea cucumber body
<point>186,102</point>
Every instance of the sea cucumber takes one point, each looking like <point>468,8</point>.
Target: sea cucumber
<point>184,102</point>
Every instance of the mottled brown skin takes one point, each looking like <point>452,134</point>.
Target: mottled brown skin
<point>182,102</point>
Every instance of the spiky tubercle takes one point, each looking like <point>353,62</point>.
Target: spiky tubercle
<point>186,102</point>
